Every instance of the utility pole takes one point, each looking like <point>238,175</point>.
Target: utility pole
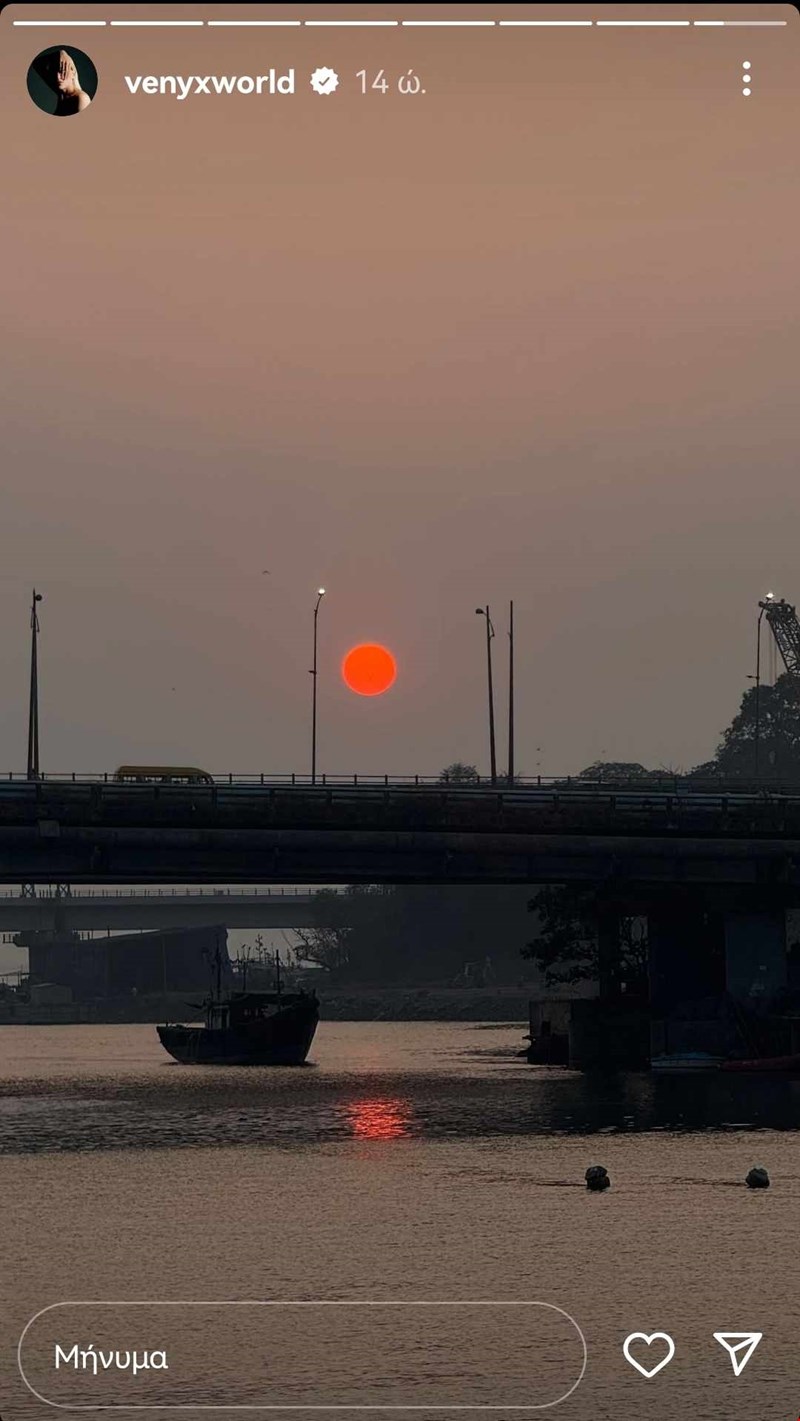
<point>511,693</point>
<point>33,702</point>
<point>484,612</point>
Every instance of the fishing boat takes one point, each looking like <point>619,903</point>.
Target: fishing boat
<point>247,1028</point>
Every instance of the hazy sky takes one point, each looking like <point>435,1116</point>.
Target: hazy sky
<point>530,334</point>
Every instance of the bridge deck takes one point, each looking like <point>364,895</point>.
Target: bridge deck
<point>94,831</point>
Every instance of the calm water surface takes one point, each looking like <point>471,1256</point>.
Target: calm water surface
<point>409,1162</point>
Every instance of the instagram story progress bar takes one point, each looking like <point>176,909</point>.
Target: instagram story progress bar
<point>411,17</point>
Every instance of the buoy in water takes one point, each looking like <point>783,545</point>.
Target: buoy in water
<point>757,1178</point>
<point>597,1178</point>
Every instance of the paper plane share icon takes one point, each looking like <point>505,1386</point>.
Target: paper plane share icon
<point>740,1346</point>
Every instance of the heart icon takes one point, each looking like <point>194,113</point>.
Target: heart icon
<point>648,1341</point>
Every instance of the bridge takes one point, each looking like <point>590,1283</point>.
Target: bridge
<point>98,911</point>
<point>77,830</point>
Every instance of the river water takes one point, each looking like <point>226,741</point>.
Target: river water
<point>409,1162</point>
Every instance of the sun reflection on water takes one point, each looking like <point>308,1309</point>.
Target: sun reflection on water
<point>379,1119</point>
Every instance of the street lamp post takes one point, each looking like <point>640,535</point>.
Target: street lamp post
<point>33,700</point>
<point>320,595</point>
<point>484,612</point>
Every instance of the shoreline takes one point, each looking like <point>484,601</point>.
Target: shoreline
<point>498,1005</point>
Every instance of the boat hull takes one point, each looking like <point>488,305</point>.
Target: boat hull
<point>764,1065</point>
<point>690,1063</point>
<point>283,1039</point>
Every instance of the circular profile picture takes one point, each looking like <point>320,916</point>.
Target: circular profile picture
<point>62,80</point>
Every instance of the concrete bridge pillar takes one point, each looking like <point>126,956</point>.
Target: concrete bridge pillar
<point>686,951</point>
<point>609,1032</point>
<point>608,950</point>
<point>756,961</point>
<point>700,959</point>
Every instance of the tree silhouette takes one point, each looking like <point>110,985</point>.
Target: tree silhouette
<point>459,774</point>
<point>567,950</point>
<point>776,712</point>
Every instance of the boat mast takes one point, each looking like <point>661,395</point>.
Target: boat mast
<point>218,965</point>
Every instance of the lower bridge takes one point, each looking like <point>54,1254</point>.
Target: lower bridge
<point>127,909</point>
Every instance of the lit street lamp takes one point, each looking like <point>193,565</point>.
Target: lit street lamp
<point>320,595</point>
<point>484,612</point>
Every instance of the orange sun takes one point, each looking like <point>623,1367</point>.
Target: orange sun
<point>369,669</point>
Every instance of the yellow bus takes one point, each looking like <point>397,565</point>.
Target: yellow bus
<point>162,775</point>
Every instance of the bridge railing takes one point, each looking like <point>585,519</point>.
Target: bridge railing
<point>266,777</point>
<point>173,893</point>
<point>656,783</point>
